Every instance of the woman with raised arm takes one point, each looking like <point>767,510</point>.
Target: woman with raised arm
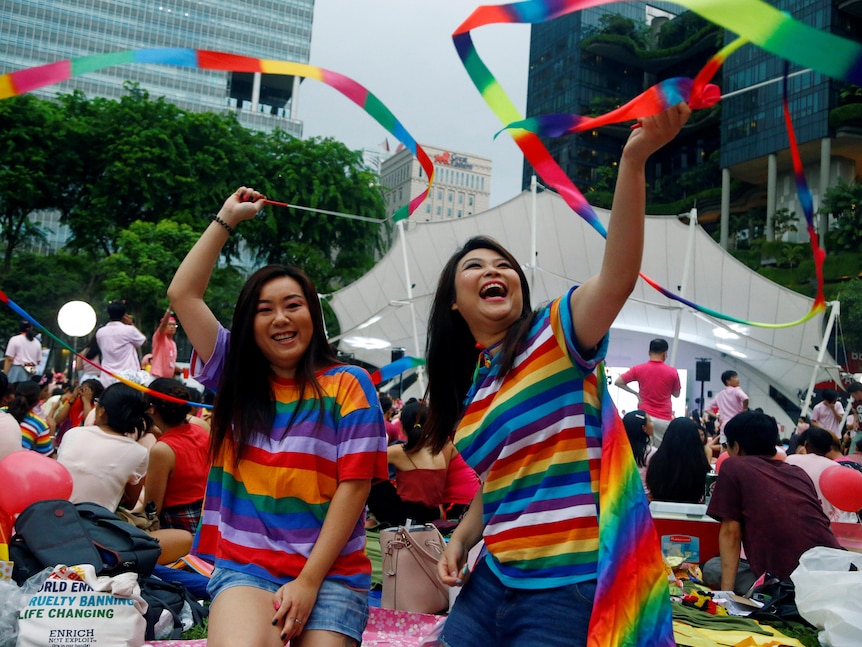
<point>297,438</point>
<point>527,419</point>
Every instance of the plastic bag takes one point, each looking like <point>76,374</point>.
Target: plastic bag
<point>13,598</point>
<point>829,594</point>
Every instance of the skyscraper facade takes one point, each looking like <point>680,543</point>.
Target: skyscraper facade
<point>36,32</point>
<point>590,62</point>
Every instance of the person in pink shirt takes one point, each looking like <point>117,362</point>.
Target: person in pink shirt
<point>731,400</point>
<point>657,382</point>
<point>119,342</point>
<point>828,413</point>
<point>164,359</point>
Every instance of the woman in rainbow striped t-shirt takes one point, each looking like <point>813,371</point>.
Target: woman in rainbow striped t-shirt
<point>527,418</point>
<point>297,438</point>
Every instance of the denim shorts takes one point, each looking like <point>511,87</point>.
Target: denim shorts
<point>338,608</point>
<point>487,612</point>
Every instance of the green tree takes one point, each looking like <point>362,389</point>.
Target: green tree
<point>322,174</point>
<point>142,159</point>
<point>29,159</point>
<point>842,201</point>
<point>850,297</point>
<point>142,267</point>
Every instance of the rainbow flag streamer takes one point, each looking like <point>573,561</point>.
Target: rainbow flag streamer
<point>754,20</point>
<point>395,369</point>
<point>138,387</point>
<point>27,80</point>
<point>632,604</point>
<point>656,100</point>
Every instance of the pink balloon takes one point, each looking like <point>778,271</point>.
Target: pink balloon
<point>721,458</point>
<point>842,487</point>
<point>28,477</point>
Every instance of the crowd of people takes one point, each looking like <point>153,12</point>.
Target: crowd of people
<point>273,489</point>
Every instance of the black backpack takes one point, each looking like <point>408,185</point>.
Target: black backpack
<point>56,531</point>
<point>172,596</point>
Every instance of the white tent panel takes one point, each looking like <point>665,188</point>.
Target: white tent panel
<point>568,252</point>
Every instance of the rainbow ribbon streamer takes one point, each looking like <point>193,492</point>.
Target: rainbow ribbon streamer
<point>138,387</point>
<point>657,99</point>
<point>632,605</point>
<point>395,369</point>
<point>755,21</point>
<point>27,80</point>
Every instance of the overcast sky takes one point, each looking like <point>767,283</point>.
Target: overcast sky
<point>401,50</point>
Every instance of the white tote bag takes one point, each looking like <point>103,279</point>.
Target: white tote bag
<point>75,608</point>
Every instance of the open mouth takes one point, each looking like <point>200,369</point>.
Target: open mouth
<point>493,290</point>
<point>287,336</point>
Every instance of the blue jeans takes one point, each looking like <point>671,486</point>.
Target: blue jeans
<point>337,608</point>
<point>489,613</point>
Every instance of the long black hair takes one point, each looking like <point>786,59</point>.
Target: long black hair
<point>677,471</point>
<point>412,420</point>
<point>26,397</point>
<point>634,422</point>
<point>245,402</point>
<point>451,352</point>
<point>126,410</point>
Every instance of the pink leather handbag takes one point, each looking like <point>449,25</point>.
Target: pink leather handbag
<point>410,581</point>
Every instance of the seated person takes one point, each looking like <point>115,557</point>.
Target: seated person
<point>420,476</point>
<point>179,460</point>
<point>677,471</point>
<point>35,434</point>
<point>639,429</point>
<point>105,460</point>
<point>815,460</point>
<point>462,483</point>
<point>767,506</point>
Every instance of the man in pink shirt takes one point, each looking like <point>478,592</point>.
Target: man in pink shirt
<point>731,400</point>
<point>657,382</point>
<point>119,342</point>
<point>164,360</point>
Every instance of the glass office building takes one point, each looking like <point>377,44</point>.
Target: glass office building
<point>745,137</point>
<point>566,78</point>
<point>36,32</point>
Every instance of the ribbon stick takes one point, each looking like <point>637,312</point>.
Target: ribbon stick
<point>755,21</point>
<point>27,80</point>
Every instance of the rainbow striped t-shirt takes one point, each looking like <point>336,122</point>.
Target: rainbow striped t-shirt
<point>264,515</point>
<point>535,439</point>
<point>36,435</point>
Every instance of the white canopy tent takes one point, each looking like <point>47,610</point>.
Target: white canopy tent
<point>376,315</point>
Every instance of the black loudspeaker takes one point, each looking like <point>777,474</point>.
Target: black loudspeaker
<point>397,353</point>
<point>701,371</point>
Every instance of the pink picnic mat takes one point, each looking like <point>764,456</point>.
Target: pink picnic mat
<point>386,628</point>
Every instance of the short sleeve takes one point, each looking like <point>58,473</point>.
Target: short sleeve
<point>209,373</point>
<point>726,501</point>
<point>563,326</point>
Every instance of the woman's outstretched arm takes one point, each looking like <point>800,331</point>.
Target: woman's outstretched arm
<point>599,300</point>
<point>186,291</point>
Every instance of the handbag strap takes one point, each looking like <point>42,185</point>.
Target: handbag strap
<point>426,560</point>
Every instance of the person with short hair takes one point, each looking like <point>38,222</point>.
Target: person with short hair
<point>816,459</point>
<point>828,413</point>
<point>119,342</point>
<point>10,429</point>
<point>23,354</point>
<point>768,506</point>
<point>730,402</point>
<point>163,362</point>
<point>657,383</point>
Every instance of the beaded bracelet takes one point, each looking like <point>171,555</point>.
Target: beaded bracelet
<point>215,218</point>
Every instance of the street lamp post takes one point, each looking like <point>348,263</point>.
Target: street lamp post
<point>76,319</point>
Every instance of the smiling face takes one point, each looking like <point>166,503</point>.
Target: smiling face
<point>283,326</point>
<point>487,294</point>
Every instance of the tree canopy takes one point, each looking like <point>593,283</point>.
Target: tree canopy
<point>136,181</point>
